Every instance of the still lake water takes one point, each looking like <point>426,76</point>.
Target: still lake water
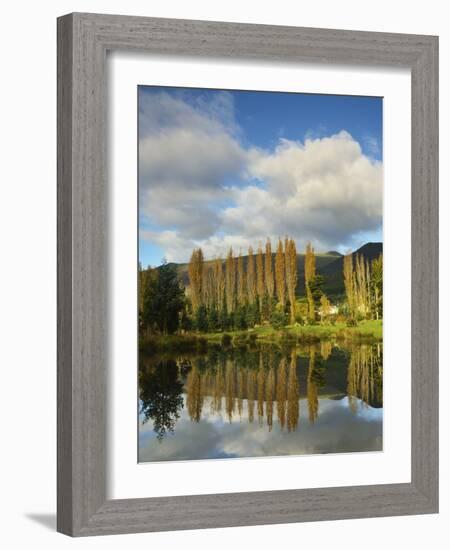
<point>265,401</point>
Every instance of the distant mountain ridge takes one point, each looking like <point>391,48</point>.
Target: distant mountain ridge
<point>329,264</point>
<point>333,272</point>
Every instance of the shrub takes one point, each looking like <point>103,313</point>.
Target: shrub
<point>278,319</point>
<point>352,323</point>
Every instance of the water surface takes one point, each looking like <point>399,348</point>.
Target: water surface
<point>265,401</point>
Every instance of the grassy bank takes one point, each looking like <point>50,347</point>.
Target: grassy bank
<point>365,331</point>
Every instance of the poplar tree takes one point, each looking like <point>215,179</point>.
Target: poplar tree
<point>195,273</point>
<point>260,286</point>
<point>270,283</point>
<point>291,275</point>
<point>376,284</point>
<point>325,306</point>
<point>219,283</point>
<point>369,292</point>
<point>310,273</point>
<point>208,286</point>
<point>280,274</point>
<point>362,286</point>
<point>349,283</point>
<point>241,282</point>
<point>310,263</point>
<point>251,278</point>
<point>230,281</point>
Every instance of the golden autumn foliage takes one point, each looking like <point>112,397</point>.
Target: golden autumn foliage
<point>264,279</point>
<point>291,274</point>
<point>270,389</point>
<point>230,281</point>
<point>268,271</point>
<point>363,286</point>
<point>348,282</point>
<point>219,283</point>
<point>280,274</point>
<point>241,281</point>
<point>310,273</point>
<point>251,276</point>
<point>195,271</point>
<point>260,285</point>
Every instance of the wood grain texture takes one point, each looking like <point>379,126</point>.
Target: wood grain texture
<point>64,294</point>
<point>255,508</point>
<point>425,273</point>
<point>83,40</point>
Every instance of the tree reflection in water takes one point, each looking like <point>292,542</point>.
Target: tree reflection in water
<point>161,396</point>
<point>365,376</point>
<point>316,379</point>
<point>265,381</point>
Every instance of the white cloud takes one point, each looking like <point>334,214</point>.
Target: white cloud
<point>204,188</point>
<point>186,154</point>
<point>323,190</point>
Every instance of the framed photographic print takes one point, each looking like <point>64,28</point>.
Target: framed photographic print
<point>247,274</point>
<point>244,336</point>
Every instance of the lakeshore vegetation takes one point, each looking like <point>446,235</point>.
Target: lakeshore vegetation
<point>258,297</point>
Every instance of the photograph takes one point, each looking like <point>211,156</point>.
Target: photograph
<point>233,220</point>
<point>260,274</point>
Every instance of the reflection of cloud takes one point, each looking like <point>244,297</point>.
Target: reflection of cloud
<point>336,430</point>
<point>200,186</point>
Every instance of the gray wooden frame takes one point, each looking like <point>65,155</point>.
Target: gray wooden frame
<point>83,40</point>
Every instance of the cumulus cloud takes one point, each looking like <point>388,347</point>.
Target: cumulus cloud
<point>200,186</point>
<point>324,190</point>
<point>186,154</point>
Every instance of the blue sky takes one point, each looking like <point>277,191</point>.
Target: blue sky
<point>231,168</point>
<point>266,116</point>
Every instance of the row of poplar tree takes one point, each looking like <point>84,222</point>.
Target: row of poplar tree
<point>363,280</point>
<point>241,292</point>
<point>257,286</point>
